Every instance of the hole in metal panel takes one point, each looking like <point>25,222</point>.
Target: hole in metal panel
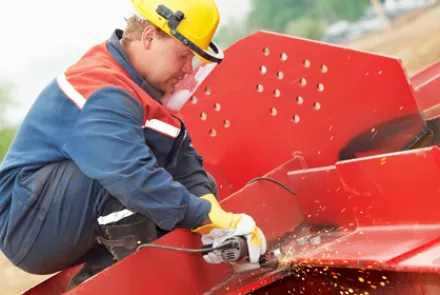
<point>280,75</point>
<point>203,116</point>
<point>283,56</point>
<point>277,93</point>
<point>317,105</point>
<point>212,132</point>
<point>263,70</point>
<point>324,69</point>
<point>303,82</point>
<point>260,88</point>
<point>266,51</point>
<point>300,100</point>
<point>307,63</point>
<point>273,111</point>
<point>295,119</point>
<point>194,100</point>
<point>217,107</point>
<point>207,90</point>
<point>320,87</point>
<point>227,123</point>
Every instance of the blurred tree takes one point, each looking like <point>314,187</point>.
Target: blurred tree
<point>235,30</point>
<point>306,27</point>
<point>275,15</point>
<point>302,18</point>
<point>349,10</point>
<point>7,132</point>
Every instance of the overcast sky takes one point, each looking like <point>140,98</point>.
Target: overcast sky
<point>41,38</point>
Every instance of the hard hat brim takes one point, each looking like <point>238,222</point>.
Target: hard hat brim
<point>215,55</point>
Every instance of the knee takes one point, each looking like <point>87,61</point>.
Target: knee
<point>38,269</point>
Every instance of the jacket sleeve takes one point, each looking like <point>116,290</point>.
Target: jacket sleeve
<point>191,173</point>
<point>108,145</point>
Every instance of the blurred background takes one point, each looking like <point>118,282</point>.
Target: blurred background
<point>41,38</point>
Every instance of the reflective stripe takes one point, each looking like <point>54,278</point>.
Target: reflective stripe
<point>71,92</point>
<point>162,127</point>
<point>114,217</point>
<point>79,100</point>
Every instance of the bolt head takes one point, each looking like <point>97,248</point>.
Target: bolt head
<point>315,240</point>
<point>302,241</point>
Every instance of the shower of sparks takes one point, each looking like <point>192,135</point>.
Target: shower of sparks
<point>344,281</point>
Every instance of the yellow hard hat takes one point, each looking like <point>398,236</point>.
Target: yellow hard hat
<point>192,22</point>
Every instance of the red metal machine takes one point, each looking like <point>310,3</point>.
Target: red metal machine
<point>350,134</point>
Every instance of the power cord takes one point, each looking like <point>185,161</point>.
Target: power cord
<point>274,181</point>
<point>222,246</point>
<point>204,249</point>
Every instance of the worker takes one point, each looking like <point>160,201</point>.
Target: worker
<point>103,162</point>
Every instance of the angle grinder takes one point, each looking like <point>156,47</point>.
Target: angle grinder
<point>232,249</point>
<point>235,249</point>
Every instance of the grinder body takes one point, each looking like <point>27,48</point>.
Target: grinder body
<point>238,251</point>
<point>232,250</point>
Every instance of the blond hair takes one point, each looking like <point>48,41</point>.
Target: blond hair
<point>135,27</point>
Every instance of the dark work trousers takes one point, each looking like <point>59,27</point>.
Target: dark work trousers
<point>79,211</point>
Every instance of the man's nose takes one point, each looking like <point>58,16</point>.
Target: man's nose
<point>187,67</point>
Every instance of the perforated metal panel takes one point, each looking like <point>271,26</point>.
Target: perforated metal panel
<point>274,96</point>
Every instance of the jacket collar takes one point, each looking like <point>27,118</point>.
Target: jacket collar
<point>118,53</point>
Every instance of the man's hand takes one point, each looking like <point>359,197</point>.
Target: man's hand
<point>223,225</point>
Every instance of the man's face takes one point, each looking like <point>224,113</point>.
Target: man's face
<point>168,63</point>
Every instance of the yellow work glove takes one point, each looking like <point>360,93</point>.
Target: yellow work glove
<point>225,225</point>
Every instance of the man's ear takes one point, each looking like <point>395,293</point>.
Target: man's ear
<point>148,35</point>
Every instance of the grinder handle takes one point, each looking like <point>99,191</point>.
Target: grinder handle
<point>232,249</point>
<point>206,249</point>
<point>227,244</point>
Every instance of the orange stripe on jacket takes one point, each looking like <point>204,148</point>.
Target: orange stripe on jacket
<point>97,69</point>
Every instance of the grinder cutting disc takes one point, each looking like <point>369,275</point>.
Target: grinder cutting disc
<point>268,261</point>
